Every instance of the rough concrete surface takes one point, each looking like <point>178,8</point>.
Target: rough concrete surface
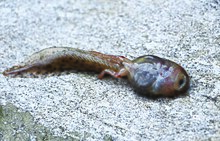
<point>187,32</point>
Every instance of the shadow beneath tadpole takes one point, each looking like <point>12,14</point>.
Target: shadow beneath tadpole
<point>160,97</point>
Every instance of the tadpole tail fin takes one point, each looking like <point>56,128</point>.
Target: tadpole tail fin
<point>16,70</point>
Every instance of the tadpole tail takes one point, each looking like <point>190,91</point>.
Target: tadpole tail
<point>14,70</point>
<point>55,60</point>
<point>21,71</point>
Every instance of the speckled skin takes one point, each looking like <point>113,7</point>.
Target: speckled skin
<point>149,75</point>
<point>58,59</point>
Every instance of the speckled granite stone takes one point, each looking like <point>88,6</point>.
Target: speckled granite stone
<point>187,32</point>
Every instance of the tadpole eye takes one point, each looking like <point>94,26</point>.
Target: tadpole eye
<point>181,82</point>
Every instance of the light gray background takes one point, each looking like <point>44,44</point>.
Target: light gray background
<point>187,32</point>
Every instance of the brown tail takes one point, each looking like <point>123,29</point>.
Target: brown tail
<point>57,60</point>
<point>16,70</point>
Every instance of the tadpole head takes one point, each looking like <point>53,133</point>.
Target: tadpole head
<point>176,83</point>
<point>154,76</point>
<point>181,81</point>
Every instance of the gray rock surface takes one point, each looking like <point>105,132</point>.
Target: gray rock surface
<point>187,32</point>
